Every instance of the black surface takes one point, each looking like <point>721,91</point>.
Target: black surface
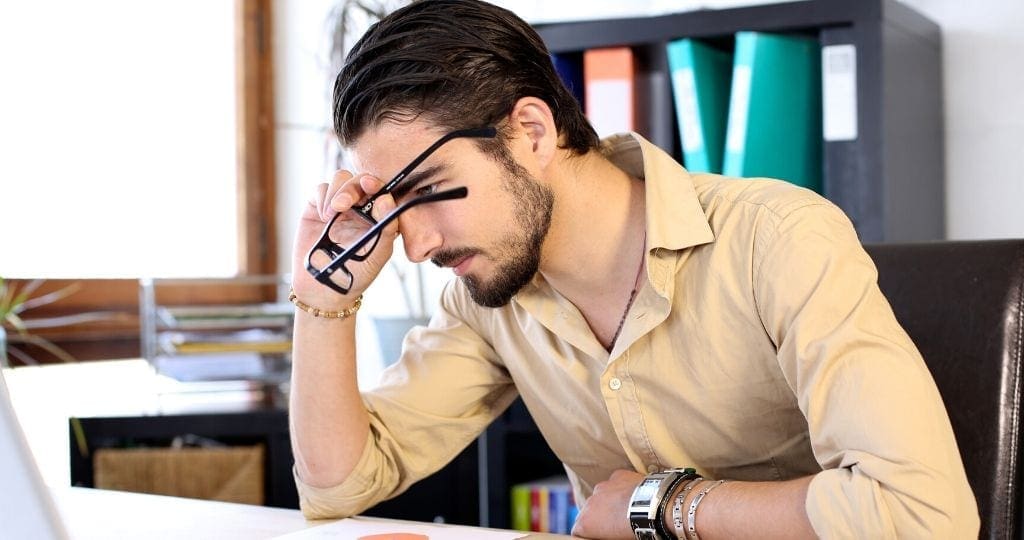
<point>457,482</point>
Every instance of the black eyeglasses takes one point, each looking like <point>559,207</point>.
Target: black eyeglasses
<point>326,260</point>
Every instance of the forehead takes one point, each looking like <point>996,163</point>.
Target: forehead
<point>383,150</point>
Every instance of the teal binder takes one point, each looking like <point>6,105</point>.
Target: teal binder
<point>700,89</point>
<point>774,126</point>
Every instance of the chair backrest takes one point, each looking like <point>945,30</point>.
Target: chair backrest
<point>962,303</point>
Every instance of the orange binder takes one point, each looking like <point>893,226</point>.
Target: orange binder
<point>610,77</point>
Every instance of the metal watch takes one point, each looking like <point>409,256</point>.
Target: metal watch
<point>646,505</point>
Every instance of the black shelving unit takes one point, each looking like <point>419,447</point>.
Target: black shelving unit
<point>891,179</point>
<point>449,495</point>
<point>511,451</point>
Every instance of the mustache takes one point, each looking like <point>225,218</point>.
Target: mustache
<point>452,256</point>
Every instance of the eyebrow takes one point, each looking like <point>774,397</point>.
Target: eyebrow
<point>415,178</point>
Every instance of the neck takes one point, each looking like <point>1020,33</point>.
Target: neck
<point>598,218</point>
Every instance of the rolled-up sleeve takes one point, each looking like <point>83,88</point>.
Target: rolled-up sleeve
<point>446,389</point>
<point>878,428</point>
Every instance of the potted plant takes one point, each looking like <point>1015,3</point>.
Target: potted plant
<point>15,330</point>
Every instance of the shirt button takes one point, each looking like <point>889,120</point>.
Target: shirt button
<point>652,468</point>
<point>615,383</point>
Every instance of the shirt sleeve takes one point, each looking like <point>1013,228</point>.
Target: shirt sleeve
<point>878,427</point>
<point>446,389</point>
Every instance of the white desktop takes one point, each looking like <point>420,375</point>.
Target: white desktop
<point>37,503</point>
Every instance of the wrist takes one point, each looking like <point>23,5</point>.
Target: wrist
<point>322,311</point>
<point>649,501</point>
<point>675,518</point>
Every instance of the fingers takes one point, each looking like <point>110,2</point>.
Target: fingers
<point>345,190</point>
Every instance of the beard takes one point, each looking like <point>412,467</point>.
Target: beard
<point>517,253</point>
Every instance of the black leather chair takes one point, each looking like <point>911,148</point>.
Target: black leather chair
<point>963,303</point>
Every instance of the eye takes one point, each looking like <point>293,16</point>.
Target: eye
<point>426,190</point>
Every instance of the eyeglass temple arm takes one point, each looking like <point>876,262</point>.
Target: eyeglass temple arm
<point>457,193</point>
<point>478,133</point>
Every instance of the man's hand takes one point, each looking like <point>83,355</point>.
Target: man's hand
<point>340,195</point>
<point>604,514</point>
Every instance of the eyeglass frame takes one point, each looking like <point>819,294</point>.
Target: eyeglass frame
<point>340,255</point>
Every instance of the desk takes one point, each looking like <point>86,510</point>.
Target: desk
<point>99,514</point>
<point>476,483</point>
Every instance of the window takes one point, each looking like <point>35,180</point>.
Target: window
<point>137,141</point>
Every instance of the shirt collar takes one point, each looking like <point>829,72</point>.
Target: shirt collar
<point>675,218</point>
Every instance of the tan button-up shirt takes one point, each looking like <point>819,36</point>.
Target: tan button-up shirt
<point>759,347</point>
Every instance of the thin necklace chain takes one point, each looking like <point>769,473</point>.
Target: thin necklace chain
<point>632,294</point>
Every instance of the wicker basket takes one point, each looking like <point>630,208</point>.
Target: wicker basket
<point>232,474</point>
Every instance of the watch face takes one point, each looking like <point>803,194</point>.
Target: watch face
<point>645,492</point>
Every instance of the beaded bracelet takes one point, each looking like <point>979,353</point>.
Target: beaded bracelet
<point>691,525</point>
<point>677,508</point>
<point>317,312</point>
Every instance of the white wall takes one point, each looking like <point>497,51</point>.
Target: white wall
<point>305,151</point>
<point>983,65</point>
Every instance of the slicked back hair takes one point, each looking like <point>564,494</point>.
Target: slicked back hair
<point>457,64</point>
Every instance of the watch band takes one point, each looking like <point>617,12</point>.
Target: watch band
<point>647,504</point>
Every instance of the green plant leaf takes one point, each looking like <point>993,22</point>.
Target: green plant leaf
<point>19,301</point>
<point>49,298</point>
<point>44,344</point>
<point>22,357</point>
<point>16,322</point>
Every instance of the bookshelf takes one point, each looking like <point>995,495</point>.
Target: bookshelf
<point>890,180</point>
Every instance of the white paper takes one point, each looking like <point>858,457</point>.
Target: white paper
<point>839,92</point>
<point>362,527</point>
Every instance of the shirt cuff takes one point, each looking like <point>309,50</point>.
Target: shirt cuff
<point>351,496</point>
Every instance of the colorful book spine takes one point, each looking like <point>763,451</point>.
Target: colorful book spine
<point>544,506</point>
<point>520,507</point>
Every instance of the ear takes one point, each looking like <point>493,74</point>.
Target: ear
<point>533,121</point>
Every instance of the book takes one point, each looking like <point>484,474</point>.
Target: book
<point>520,514</point>
<point>701,76</point>
<point>610,89</point>
<point>774,125</point>
<point>545,505</point>
<point>570,69</point>
<point>843,164</point>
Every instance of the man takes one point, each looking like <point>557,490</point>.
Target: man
<point>650,318</point>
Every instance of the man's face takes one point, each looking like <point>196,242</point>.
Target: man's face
<point>493,238</point>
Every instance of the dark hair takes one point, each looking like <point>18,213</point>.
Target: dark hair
<point>458,64</point>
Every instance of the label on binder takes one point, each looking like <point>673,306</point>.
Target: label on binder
<point>686,94</point>
<point>839,92</point>
<point>739,106</point>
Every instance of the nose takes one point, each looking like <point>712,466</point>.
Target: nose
<point>419,236</point>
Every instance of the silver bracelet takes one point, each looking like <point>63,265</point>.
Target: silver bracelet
<point>677,508</point>
<point>691,516</point>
